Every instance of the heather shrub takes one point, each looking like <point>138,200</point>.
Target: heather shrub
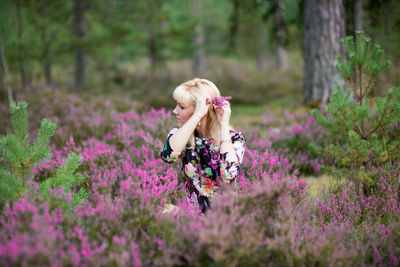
<point>147,129</point>
<point>296,142</point>
<point>33,234</point>
<point>264,164</point>
<point>103,231</point>
<point>136,213</point>
<point>368,217</point>
<point>83,116</point>
<point>291,137</point>
<point>360,128</point>
<point>262,225</point>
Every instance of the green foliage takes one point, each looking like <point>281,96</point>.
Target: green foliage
<point>65,178</point>
<point>363,59</point>
<point>360,128</point>
<point>18,157</point>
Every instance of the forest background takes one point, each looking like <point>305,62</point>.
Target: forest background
<point>97,193</point>
<point>253,50</point>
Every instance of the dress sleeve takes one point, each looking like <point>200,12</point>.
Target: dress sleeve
<point>166,153</point>
<point>230,162</point>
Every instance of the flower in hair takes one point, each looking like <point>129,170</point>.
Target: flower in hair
<point>218,100</point>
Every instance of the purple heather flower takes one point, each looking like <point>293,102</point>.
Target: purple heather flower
<point>219,100</point>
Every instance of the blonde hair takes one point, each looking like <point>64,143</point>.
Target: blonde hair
<point>188,92</point>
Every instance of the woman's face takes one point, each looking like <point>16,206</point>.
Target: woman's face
<point>183,112</point>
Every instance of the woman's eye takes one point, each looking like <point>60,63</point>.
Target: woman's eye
<point>181,107</point>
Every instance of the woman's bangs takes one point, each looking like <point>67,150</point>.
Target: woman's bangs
<point>182,95</point>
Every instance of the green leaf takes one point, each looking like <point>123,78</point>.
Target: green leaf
<point>9,186</point>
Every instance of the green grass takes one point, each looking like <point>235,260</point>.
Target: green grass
<point>319,185</point>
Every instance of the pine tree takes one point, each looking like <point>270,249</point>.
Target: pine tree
<point>360,129</point>
<point>18,157</point>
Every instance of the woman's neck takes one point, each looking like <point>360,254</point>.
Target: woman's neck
<point>201,129</point>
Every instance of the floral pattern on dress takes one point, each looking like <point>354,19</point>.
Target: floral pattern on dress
<point>202,165</point>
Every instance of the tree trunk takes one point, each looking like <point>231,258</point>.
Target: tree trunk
<point>323,29</point>
<point>358,13</point>
<point>152,42</point>
<point>80,55</point>
<point>1,82</point>
<point>280,35</point>
<point>388,32</point>
<point>156,26</point>
<point>262,60</point>
<point>152,47</point>
<point>115,48</point>
<point>4,63</point>
<point>282,62</point>
<point>198,55</point>
<point>234,25</point>
<point>46,46</point>
<point>19,35</point>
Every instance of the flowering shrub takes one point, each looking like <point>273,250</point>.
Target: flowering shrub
<point>135,213</point>
<point>293,138</point>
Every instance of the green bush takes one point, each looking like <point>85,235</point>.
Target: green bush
<point>360,127</point>
<point>18,157</point>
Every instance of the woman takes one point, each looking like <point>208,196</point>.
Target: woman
<point>211,151</point>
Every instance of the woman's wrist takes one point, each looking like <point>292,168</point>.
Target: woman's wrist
<point>197,116</point>
<point>224,124</point>
<point>225,135</point>
<point>226,140</point>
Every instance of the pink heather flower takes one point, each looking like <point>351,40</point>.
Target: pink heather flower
<point>160,242</point>
<point>219,100</point>
<point>116,239</point>
<point>135,254</point>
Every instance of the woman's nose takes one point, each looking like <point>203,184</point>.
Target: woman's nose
<point>174,111</point>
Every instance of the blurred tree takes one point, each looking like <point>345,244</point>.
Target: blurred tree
<point>156,24</point>
<point>349,17</point>
<point>49,18</point>
<point>198,54</point>
<point>233,25</point>
<point>110,32</point>
<point>354,16</point>
<point>2,88</point>
<point>382,23</point>
<point>80,30</point>
<point>280,34</point>
<point>280,14</point>
<point>323,28</point>
<point>46,45</point>
<point>262,59</point>
<point>20,28</point>
<point>358,15</point>
<point>5,68</point>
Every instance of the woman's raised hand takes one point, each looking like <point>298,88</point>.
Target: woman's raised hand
<point>223,112</point>
<point>202,106</point>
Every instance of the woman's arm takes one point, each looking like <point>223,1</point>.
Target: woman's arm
<point>180,138</point>
<point>166,152</point>
<point>226,144</point>
<point>231,156</point>
<point>231,148</point>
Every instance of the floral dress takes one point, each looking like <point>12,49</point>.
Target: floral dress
<point>202,165</point>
